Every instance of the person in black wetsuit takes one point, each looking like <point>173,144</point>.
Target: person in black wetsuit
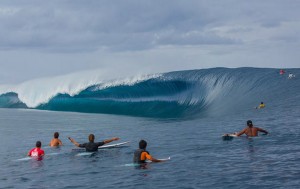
<point>92,146</point>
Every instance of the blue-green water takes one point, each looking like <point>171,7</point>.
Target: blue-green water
<point>180,114</point>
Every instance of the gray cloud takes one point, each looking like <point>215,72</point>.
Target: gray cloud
<point>62,36</point>
<point>131,25</point>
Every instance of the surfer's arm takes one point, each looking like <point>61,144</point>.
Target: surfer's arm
<point>50,143</point>
<point>29,153</point>
<point>240,133</point>
<point>73,141</point>
<point>149,157</point>
<point>156,160</point>
<point>60,142</point>
<point>262,130</point>
<point>110,140</point>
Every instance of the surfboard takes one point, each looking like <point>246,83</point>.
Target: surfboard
<point>229,136</point>
<point>147,161</point>
<point>131,165</point>
<point>29,158</point>
<point>24,159</point>
<point>105,146</point>
<point>234,135</point>
<point>53,154</point>
<point>84,154</point>
<point>113,145</point>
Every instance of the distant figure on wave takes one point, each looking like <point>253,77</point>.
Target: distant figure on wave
<point>37,152</point>
<point>262,105</point>
<point>141,155</point>
<point>251,131</point>
<point>92,146</point>
<point>55,141</point>
<point>281,72</point>
<point>291,76</point>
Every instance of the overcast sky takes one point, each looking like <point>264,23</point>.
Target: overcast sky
<point>57,37</point>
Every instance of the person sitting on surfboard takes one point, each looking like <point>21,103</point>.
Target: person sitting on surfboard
<point>141,155</point>
<point>55,141</point>
<point>251,131</point>
<point>92,146</point>
<point>37,152</point>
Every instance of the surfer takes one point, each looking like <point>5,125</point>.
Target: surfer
<point>55,141</point>
<point>281,72</point>
<point>262,105</point>
<point>291,76</point>
<point>141,155</point>
<point>251,131</point>
<point>37,152</point>
<point>92,146</point>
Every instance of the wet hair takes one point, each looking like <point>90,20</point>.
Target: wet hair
<point>262,102</point>
<point>91,138</point>
<point>143,144</point>
<point>249,123</point>
<point>38,144</point>
<point>56,135</point>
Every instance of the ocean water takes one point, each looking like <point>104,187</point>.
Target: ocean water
<point>181,115</point>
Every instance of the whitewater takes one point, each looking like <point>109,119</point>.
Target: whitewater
<point>181,115</point>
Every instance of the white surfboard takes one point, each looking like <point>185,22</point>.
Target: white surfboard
<point>113,145</point>
<point>105,146</point>
<point>29,158</point>
<point>24,159</point>
<point>84,154</point>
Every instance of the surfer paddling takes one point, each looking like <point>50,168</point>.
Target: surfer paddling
<point>141,155</point>
<point>251,131</point>
<point>55,141</point>
<point>92,146</point>
<point>261,105</point>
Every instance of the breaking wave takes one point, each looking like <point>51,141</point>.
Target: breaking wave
<point>190,93</point>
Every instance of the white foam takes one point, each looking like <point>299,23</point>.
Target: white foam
<point>39,91</point>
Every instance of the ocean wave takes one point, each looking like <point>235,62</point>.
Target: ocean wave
<point>176,94</point>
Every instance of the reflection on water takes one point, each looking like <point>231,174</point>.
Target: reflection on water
<point>36,163</point>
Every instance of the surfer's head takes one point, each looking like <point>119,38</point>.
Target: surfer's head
<point>249,123</point>
<point>38,144</point>
<point>56,135</point>
<point>143,144</point>
<point>91,138</point>
<point>262,103</point>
